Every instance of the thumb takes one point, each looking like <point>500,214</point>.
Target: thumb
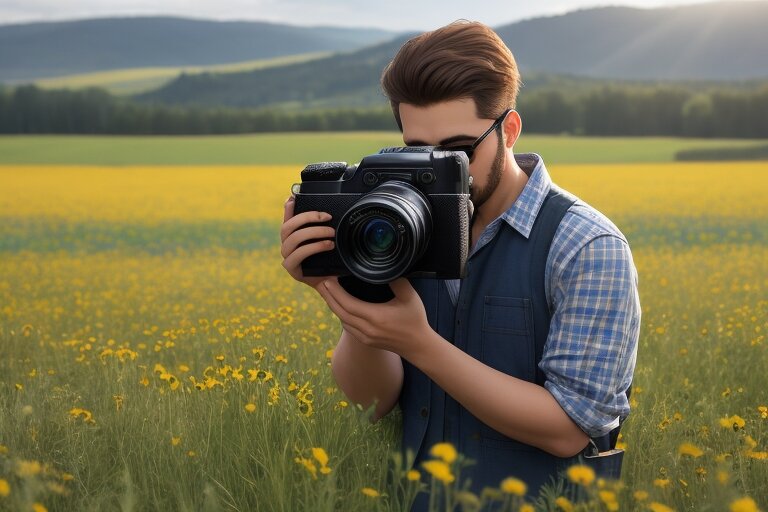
<point>402,288</point>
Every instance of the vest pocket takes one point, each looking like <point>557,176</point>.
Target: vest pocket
<point>507,342</point>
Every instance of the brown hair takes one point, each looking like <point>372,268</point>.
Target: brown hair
<point>461,60</point>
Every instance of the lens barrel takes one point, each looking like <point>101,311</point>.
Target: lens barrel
<point>385,232</point>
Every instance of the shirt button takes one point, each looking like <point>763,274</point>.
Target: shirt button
<point>424,412</point>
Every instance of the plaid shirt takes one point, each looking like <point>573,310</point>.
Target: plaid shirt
<point>591,287</point>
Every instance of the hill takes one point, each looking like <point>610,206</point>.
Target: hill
<point>36,50</point>
<point>705,42</point>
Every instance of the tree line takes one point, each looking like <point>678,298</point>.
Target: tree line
<point>602,110</point>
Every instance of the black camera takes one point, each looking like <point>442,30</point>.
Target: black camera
<point>404,211</point>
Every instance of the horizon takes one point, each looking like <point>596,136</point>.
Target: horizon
<point>304,13</point>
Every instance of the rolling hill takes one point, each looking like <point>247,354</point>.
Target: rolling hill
<point>37,50</point>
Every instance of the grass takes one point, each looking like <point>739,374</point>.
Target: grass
<point>302,148</point>
<point>143,311</point>
<point>137,80</point>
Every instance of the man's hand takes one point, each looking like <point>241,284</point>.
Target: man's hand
<point>293,234</point>
<point>399,325</point>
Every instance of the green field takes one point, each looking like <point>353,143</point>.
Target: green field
<point>138,80</point>
<point>299,148</point>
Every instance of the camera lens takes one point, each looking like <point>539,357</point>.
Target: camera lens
<point>379,236</point>
<point>385,232</point>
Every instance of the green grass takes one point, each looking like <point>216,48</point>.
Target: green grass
<point>301,148</point>
<point>137,80</point>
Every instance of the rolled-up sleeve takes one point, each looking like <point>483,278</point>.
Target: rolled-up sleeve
<point>590,353</point>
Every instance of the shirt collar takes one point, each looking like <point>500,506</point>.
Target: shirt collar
<point>524,210</point>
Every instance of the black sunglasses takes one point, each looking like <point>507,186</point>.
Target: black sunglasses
<point>469,149</point>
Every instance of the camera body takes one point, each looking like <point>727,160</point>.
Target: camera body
<point>400,212</point>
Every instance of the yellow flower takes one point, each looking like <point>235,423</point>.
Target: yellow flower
<point>38,507</point>
<point>371,493</point>
<point>661,482</point>
<point>5,489</point>
<point>564,504</point>
<point>514,486</point>
<point>743,505</point>
<point>413,475</point>
<point>175,441</point>
<point>444,451</point>
<point>320,455</point>
<point>87,416</point>
<point>439,470</point>
<point>658,507</point>
<point>527,507</point>
<point>763,410</point>
<point>641,495</point>
<point>609,499</point>
<point>723,477</point>
<point>580,474</point>
<point>308,464</point>
<point>690,450</point>
<point>736,422</point>
<point>757,455</point>
<point>250,407</point>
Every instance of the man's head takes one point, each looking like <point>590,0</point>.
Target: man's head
<point>461,60</point>
<point>449,87</point>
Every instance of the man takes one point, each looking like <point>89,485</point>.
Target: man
<point>530,356</point>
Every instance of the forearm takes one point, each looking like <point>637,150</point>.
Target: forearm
<point>366,374</point>
<point>519,409</point>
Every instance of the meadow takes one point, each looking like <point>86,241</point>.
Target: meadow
<point>154,355</point>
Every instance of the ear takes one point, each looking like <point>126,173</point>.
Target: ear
<point>513,125</point>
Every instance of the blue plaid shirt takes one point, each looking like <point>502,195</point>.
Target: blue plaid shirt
<point>591,287</point>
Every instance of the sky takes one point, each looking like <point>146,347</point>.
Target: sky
<point>395,15</point>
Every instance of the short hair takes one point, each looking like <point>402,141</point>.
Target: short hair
<point>461,60</point>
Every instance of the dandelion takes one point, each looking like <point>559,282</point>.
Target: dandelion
<point>690,450</point>
<point>175,441</point>
<point>513,486</point>
<point>250,407</point>
<point>38,507</point>
<point>76,412</point>
<point>580,474</point>
<point>527,507</point>
<point>5,488</point>
<point>444,451</point>
<point>610,500</point>
<point>308,465</point>
<point>322,457</point>
<point>370,492</point>
<point>439,470</point>
<point>640,495</point>
<point>564,504</point>
<point>661,483</point>
<point>763,410</point>
<point>743,505</point>
<point>735,422</point>
<point>658,507</point>
<point>26,468</point>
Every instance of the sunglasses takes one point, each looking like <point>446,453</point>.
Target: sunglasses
<point>469,149</point>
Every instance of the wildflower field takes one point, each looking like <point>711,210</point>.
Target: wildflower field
<point>154,355</point>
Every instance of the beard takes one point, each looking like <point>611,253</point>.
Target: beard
<point>480,196</point>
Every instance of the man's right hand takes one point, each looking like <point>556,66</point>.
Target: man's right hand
<point>293,234</point>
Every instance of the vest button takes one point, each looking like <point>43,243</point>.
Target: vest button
<point>424,412</point>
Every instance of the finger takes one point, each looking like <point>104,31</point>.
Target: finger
<point>402,288</point>
<point>343,315</point>
<point>350,303</point>
<point>293,261</point>
<point>289,204</point>
<point>296,238</point>
<point>355,333</point>
<point>295,222</point>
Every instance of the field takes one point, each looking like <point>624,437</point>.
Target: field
<point>154,355</point>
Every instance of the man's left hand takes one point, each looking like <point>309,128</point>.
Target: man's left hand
<point>399,325</point>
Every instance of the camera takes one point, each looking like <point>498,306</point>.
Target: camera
<point>404,211</point>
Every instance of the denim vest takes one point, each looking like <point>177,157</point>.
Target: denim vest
<point>502,319</point>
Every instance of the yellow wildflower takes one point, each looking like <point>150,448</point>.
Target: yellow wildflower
<point>743,505</point>
<point>690,449</point>
<point>250,407</point>
<point>527,507</point>
<point>663,483</point>
<point>641,495</point>
<point>5,489</point>
<point>736,422</point>
<point>444,451</point>
<point>321,457</point>
<point>413,475</point>
<point>38,507</point>
<point>308,465</point>
<point>564,504</point>
<point>658,507</point>
<point>610,500</point>
<point>439,470</point>
<point>371,493</point>
<point>514,486</point>
<point>175,441</point>
<point>580,474</point>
